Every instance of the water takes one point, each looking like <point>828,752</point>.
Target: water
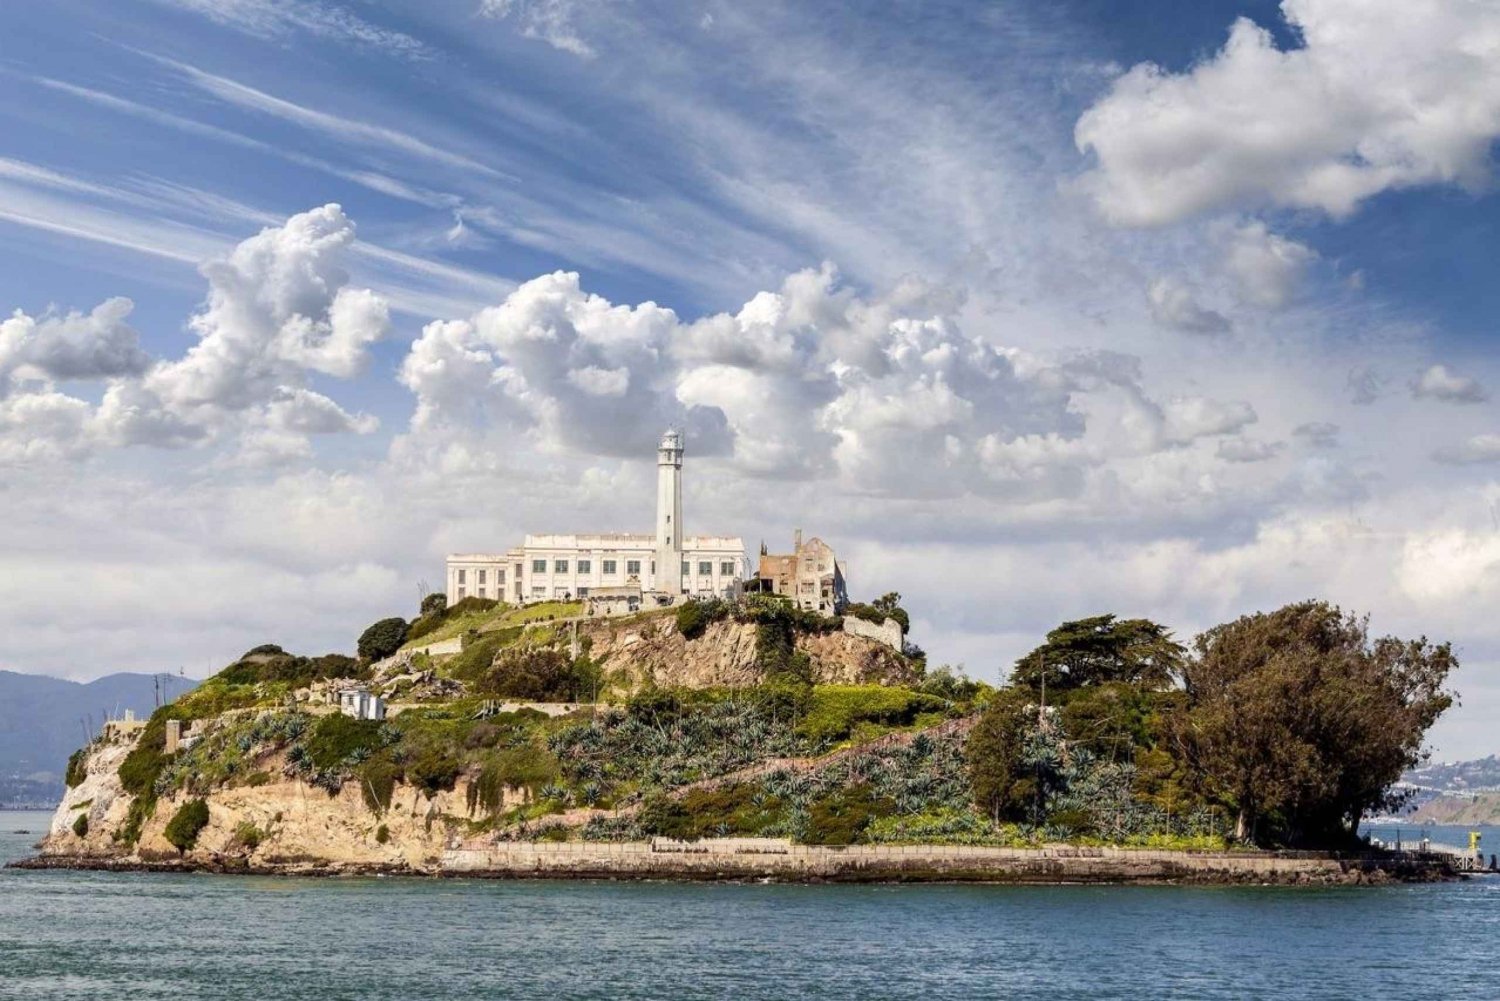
<point>130,936</point>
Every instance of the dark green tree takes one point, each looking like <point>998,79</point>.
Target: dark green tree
<point>435,603</point>
<point>1000,767</point>
<point>1099,650</point>
<point>382,639</point>
<point>1300,723</point>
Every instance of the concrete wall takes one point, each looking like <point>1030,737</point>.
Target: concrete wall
<point>888,632</point>
<point>760,858</point>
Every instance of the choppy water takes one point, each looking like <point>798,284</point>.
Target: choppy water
<point>130,936</point>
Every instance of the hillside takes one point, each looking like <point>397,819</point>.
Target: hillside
<point>718,720</point>
<point>40,726</point>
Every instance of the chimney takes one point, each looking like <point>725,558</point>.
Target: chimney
<point>797,541</point>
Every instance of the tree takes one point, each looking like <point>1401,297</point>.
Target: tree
<point>1002,765</point>
<point>435,603</point>
<point>183,829</point>
<point>1102,649</point>
<point>890,604</point>
<point>1301,724</point>
<point>382,639</point>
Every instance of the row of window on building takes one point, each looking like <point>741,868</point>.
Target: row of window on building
<point>608,567</point>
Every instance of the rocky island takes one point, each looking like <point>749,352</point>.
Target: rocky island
<point>752,739</point>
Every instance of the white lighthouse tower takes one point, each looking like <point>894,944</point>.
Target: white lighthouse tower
<point>669,535</point>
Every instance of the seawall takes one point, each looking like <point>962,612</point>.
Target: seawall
<point>780,861</point>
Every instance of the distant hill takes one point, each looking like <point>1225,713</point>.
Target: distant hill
<point>39,725</point>
<point>1454,792</point>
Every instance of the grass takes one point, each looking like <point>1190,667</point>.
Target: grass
<point>457,626</point>
<point>540,612</point>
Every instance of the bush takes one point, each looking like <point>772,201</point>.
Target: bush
<point>263,650</point>
<point>435,603</point>
<point>257,779</point>
<point>81,825</point>
<point>840,818</point>
<point>537,674</point>
<point>382,834</point>
<point>837,710</point>
<point>475,660</point>
<point>377,782</point>
<point>334,739</point>
<point>186,824</point>
<point>248,836</point>
<point>77,767</point>
<point>382,639</point>
<point>433,770</point>
<point>694,618</point>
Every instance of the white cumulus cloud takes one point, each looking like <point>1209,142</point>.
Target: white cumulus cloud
<point>1380,96</point>
<point>1438,383</point>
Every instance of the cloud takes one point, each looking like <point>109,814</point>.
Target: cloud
<point>1478,450</point>
<point>72,346</point>
<point>550,21</point>
<point>1365,385</point>
<point>1248,450</point>
<point>1174,305</point>
<point>279,18</point>
<point>1379,96</point>
<point>1318,434</point>
<point>1438,383</point>
<point>1267,270</point>
<point>279,311</point>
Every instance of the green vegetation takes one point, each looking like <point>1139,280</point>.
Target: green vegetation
<point>438,624</point>
<point>186,824</point>
<point>540,674</point>
<point>77,767</point>
<point>81,825</point>
<point>248,836</point>
<point>694,617</point>
<point>837,712</point>
<point>382,639</point>
<point>382,835</point>
<point>1301,723</point>
<point>1100,650</point>
<point>887,606</point>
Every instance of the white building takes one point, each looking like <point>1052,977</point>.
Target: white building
<point>361,704</point>
<point>564,567</point>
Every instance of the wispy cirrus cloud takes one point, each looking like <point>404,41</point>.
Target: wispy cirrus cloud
<point>282,18</point>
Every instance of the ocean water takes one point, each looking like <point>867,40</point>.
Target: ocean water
<point>127,936</point>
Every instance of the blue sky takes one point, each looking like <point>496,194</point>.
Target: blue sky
<point>1175,309</point>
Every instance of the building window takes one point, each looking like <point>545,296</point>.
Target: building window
<point>460,594</point>
<point>538,566</point>
<point>481,592</point>
<point>583,592</point>
<point>462,574</point>
<point>705,568</point>
<point>559,566</point>
<point>726,569</point>
<point>685,568</point>
<point>481,579</point>
<point>585,566</point>
<point>500,576</point>
<point>609,567</point>
<point>539,592</point>
<point>633,567</point>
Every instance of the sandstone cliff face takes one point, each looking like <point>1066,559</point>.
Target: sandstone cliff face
<point>295,822</point>
<point>652,650</point>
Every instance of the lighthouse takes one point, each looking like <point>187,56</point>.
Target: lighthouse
<point>669,534</point>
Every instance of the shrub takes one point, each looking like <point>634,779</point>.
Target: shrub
<point>476,659</point>
<point>248,836</point>
<point>433,769</point>
<point>257,779</point>
<point>694,618</point>
<point>81,825</point>
<point>334,739</point>
<point>77,767</point>
<point>382,834</point>
<point>377,782</point>
<point>542,675</point>
<point>840,818</point>
<point>435,603</point>
<point>382,639</point>
<point>262,650</point>
<point>186,824</point>
<point>837,709</point>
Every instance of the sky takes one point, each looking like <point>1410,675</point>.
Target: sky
<point>1178,309</point>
